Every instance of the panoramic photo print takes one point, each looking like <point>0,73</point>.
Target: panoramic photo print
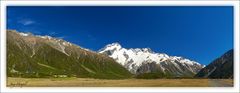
<point>119,46</point>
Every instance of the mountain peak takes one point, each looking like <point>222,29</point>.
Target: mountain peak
<point>147,50</point>
<point>115,44</point>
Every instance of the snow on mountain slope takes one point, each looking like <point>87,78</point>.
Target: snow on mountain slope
<point>144,60</point>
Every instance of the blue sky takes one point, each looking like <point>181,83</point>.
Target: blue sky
<point>195,32</point>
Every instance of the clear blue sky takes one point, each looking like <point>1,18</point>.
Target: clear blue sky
<point>198,33</point>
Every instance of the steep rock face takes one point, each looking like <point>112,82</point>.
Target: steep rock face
<point>139,61</point>
<point>44,56</point>
<point>221,67</point>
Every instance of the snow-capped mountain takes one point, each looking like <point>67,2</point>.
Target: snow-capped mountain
<point>144,60</point>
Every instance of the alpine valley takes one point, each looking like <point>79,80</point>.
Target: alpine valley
<point>31,55</point>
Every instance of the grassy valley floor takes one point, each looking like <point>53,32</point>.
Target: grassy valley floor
<point>87,82</point>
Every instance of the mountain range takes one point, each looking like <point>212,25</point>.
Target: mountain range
<point>31,55</point>
<point>144,60</point>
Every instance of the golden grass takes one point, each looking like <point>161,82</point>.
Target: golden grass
<point>87,82</point>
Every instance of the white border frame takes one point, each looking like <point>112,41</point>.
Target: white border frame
<point>4,4</point>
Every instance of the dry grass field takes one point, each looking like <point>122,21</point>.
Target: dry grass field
<point>87,82</point>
